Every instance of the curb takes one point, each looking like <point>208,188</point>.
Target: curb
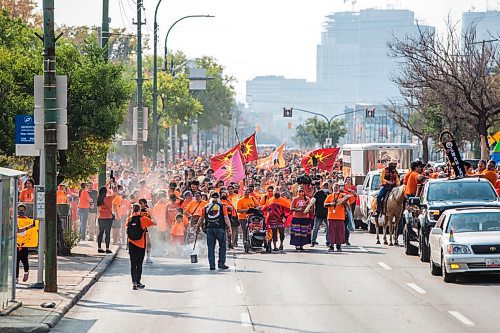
<point>53,318</point>
<point>84,286</point>
<point>11,307</point>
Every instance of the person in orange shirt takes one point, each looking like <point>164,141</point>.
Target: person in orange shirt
<point>335,203</point>
<point>137,248</point>
<point>177,233</point>
<point>28,193</point>
<point>61,196</point>
<point>490,173</point>
<point>242,207</point>
<point>84,200</point>
<point>413,180</point>
<point>187,197</point>
<point>269,194</point>
<point>144,192</point>
<point>195,208</point>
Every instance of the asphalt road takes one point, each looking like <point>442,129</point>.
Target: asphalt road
<point>366,288</point>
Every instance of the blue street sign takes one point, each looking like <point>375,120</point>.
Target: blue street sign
<point>25,130</point>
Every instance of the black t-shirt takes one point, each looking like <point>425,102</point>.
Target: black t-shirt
<point>320,211</point>
<point>93,205</point>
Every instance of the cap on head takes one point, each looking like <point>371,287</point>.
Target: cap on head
<point>214,195</point>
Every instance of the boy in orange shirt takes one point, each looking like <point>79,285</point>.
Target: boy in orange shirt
<point>177,233</point>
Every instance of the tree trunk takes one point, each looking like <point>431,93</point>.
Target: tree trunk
<point>425,149</point>
<point>483,135</point>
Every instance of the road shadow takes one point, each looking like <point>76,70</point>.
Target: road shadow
<point>74,325</point>
<point>479,279</point>
<point>133,309</point>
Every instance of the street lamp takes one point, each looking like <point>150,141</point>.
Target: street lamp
<point>328,121</point>
<point>155,75</point>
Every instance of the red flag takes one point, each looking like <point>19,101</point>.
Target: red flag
<point>323,159</point>
<point>231,170</point>
<point>248,148</point>
<point>219,160</point>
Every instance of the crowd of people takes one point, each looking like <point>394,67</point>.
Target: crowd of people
<point>169,206</point>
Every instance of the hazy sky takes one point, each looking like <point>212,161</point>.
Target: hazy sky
<point>252,37</point>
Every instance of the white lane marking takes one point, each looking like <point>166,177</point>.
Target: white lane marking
<point>463,319</point>
<point>385,266</point>
<point>362,249</point>
<point>416,288</point>
<point>245,319</point>
<point>239,289</point>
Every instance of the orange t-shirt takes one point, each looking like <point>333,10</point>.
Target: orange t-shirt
<point>407,175</point>
<point>229,205</point>
<point>177,230</point>
<point>145,223</point>
<point>144,193</point>
<point>160,215</point>
<point>411,184</point>
<point>61,197</point>
<point>106,209</point>
<point>27,195</point>
<point>351,190</point>
<point>491,175</point>
<point>84,199</point>
<point>335,212</point>
<point>245,203</point>
<point>300,203</point>
<point>195,208</point>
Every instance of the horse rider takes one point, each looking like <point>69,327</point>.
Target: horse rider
<point>389,178</point>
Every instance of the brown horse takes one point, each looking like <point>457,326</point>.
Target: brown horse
<point>393,213</point>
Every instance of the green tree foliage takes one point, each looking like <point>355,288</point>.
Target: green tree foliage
<point>19,61</point>
<point>97,93</point>
<point>317,130</point>
<point>303,137</point>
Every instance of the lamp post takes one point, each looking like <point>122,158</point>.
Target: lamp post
<point>328,121</point>
<point>168,71</point>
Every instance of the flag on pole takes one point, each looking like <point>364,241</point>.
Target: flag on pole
<point>219,160</point>
<point>231,170</point>
<point>273,161</point>
<point>322,159</point>
<point>248,149</point>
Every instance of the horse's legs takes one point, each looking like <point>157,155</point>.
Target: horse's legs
<point>396,228</point>
<point>376,229</point>
<point>385,229</point>
<point>390,230</point>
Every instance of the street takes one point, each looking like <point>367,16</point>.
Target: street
<point>366,288</point>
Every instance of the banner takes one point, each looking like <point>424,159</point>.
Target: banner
<point>232,170</point>
<point>322,159</point>
<point>248,148</point>
<point>453,154</point>
<point>274,161</point>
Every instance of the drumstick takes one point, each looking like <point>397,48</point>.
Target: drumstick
<point>311,203</point>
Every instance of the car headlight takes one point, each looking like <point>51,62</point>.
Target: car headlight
<point>458,249</point>
<point>433,215</point>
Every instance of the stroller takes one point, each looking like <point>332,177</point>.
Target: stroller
<point>256,231</point>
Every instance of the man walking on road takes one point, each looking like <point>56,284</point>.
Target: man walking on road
<point>320,213</point>
<point>215,219</point>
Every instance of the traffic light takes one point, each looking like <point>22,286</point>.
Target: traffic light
<point>287,113</point>
<point>370,113</point>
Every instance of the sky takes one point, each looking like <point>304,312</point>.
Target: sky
<point>252,37</point>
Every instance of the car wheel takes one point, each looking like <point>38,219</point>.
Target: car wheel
<point>423,249</point>
<point>447,277</point>
<point>435,269</point>
<point>410,250</point>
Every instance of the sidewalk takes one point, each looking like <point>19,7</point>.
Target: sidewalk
<point>76,274</point>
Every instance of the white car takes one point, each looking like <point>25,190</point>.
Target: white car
<point>473,246</point>
<point>367,193</point>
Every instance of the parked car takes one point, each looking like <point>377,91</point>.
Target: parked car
<point>437,196</point>
<point>465,240</point>
<point>366,194</point>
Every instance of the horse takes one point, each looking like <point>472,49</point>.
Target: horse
<point>394,211</point>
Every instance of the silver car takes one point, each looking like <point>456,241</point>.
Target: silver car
<point>465,240</point>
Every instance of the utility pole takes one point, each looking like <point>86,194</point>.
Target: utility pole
<point>140,125</point>
<point>50,136</point>
<point>104,37</point>
<point>155,87</point>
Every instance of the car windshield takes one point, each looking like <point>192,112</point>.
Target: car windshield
<point>460,191</point>
<point>474,222</point>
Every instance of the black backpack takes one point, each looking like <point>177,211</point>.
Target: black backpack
<point>134,228</point>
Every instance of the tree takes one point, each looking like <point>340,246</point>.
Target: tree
<point>458,72</point>
<point>318,130</point>
<point>303,137</point>
<point>25,10</point>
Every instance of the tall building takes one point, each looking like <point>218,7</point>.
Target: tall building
<point>487,24</point>
<point>353,55</point>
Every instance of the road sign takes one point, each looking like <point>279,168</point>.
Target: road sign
<point>25,130</point>
<point>61,91</point>
<point>328,142</point>
<point>129,143</point>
